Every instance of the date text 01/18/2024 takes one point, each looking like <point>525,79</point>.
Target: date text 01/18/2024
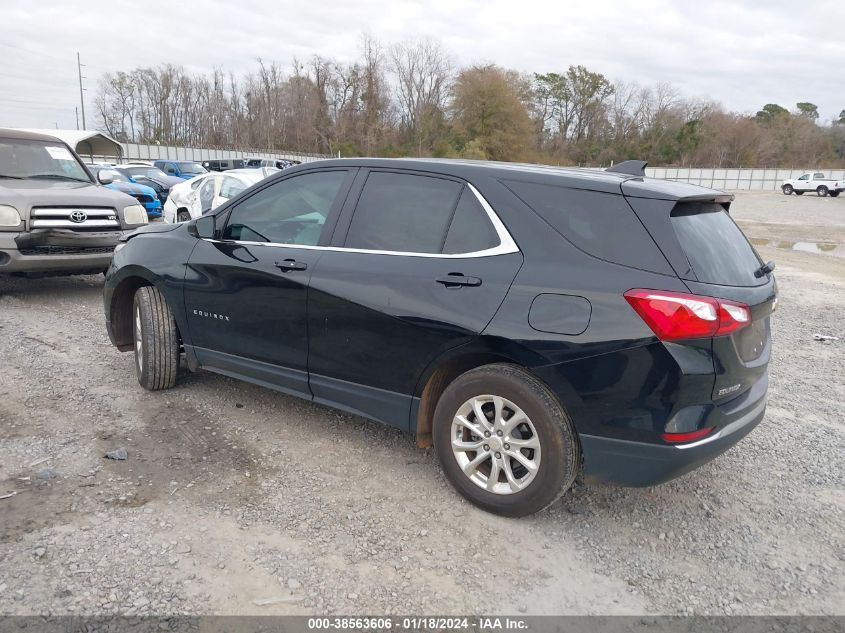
<point>418,623</point>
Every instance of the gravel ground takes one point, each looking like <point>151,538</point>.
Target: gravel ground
<point>238,500</point>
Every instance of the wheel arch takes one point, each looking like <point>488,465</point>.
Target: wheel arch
<point>120,301</point>
<point>440,373</point>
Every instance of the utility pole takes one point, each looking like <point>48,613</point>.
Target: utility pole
<point>79,65</point>
<point>77,117</point>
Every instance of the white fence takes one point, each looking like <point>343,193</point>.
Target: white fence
<point>149,153</point>
<point>736,179</point>
<point>751,179</point>
<point>136,151</point>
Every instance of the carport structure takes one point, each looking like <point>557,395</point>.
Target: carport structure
<point>86,143</point>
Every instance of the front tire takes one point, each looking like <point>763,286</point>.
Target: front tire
<point>821,192</point>
<point>834,194</point>
<point>156,340</point>
<point>787,190</point>
<point>504,441</point>
<point>799,193</point>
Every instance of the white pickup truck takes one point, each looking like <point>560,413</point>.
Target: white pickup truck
<point>813,181</point>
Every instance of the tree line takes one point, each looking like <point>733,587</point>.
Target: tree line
<point>409,99</point>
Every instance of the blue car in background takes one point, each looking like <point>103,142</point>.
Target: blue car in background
<point>147,196</point>
<point>180,168</point>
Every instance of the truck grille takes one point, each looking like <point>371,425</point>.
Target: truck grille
<point>74,218</point>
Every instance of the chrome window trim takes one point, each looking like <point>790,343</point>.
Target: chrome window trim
<point>506,244</point>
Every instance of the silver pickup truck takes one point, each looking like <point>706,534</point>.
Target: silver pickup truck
<point>55,218</point>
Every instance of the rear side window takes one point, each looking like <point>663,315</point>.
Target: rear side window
<point>600,224</point>
<point>403,212</point>
<point>471,230</point>
<point>717,250</point>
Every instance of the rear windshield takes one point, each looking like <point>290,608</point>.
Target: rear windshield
<point>717,250</point>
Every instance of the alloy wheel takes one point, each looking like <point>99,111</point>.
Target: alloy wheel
<point>495,444</point>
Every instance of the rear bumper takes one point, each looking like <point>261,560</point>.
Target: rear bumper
<point>641,464</point>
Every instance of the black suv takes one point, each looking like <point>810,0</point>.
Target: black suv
<point>528,321</point>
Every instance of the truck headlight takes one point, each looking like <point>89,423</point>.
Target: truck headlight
<point>135,214</point>
<point>9,216</point>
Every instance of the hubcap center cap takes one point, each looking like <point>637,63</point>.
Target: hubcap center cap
<point>495,443</point>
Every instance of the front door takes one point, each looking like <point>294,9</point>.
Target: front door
<point>245,292</point>
<point>421,269</point>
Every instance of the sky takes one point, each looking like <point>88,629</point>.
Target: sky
<point>741,53</point>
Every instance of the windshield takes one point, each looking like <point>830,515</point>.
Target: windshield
<point>21,158</point>
<point>150,172</point>
<point>115,175</point>
<point>191,168</point>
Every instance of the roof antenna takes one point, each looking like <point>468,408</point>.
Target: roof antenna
<point>630,167</point>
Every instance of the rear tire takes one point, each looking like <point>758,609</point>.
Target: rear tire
<point>822,191</point>
<point>524,483</point>
<point>787,190</point>
<point>799,193</point>
<point>156,340</point>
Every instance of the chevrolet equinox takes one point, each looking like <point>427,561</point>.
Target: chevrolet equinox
<point>530,322</point>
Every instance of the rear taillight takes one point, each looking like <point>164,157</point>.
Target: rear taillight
<point>687,437</point>
<point>674,316</point>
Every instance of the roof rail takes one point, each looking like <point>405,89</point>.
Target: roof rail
<point>631,167</point>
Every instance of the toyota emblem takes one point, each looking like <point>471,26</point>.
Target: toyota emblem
<point>78,216</point>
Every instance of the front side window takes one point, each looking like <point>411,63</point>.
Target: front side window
<point>292,211</point>
<point>404,213</point>
<point>805,177</point>
<point>32,159</point>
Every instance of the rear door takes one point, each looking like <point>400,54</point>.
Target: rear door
<point>418,266</point>
<point>713,257</point>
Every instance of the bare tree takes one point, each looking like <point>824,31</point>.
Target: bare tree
<point>422,71</point>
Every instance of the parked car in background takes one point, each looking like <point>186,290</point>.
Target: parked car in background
<point>202,194</point>
<point>277,163</point>
<point>813,181</point>
<point>55,218</point>
<point>224,164</point>
<point>145,173</point>
<point>147,196</point>
<point>180,168</point>
<point>530,321</point>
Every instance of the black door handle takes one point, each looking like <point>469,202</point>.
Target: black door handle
<point>455,280</point>
<point>291,264</point>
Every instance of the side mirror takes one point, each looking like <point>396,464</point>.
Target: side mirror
<point>205,227</point>
<point>105,177</point>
